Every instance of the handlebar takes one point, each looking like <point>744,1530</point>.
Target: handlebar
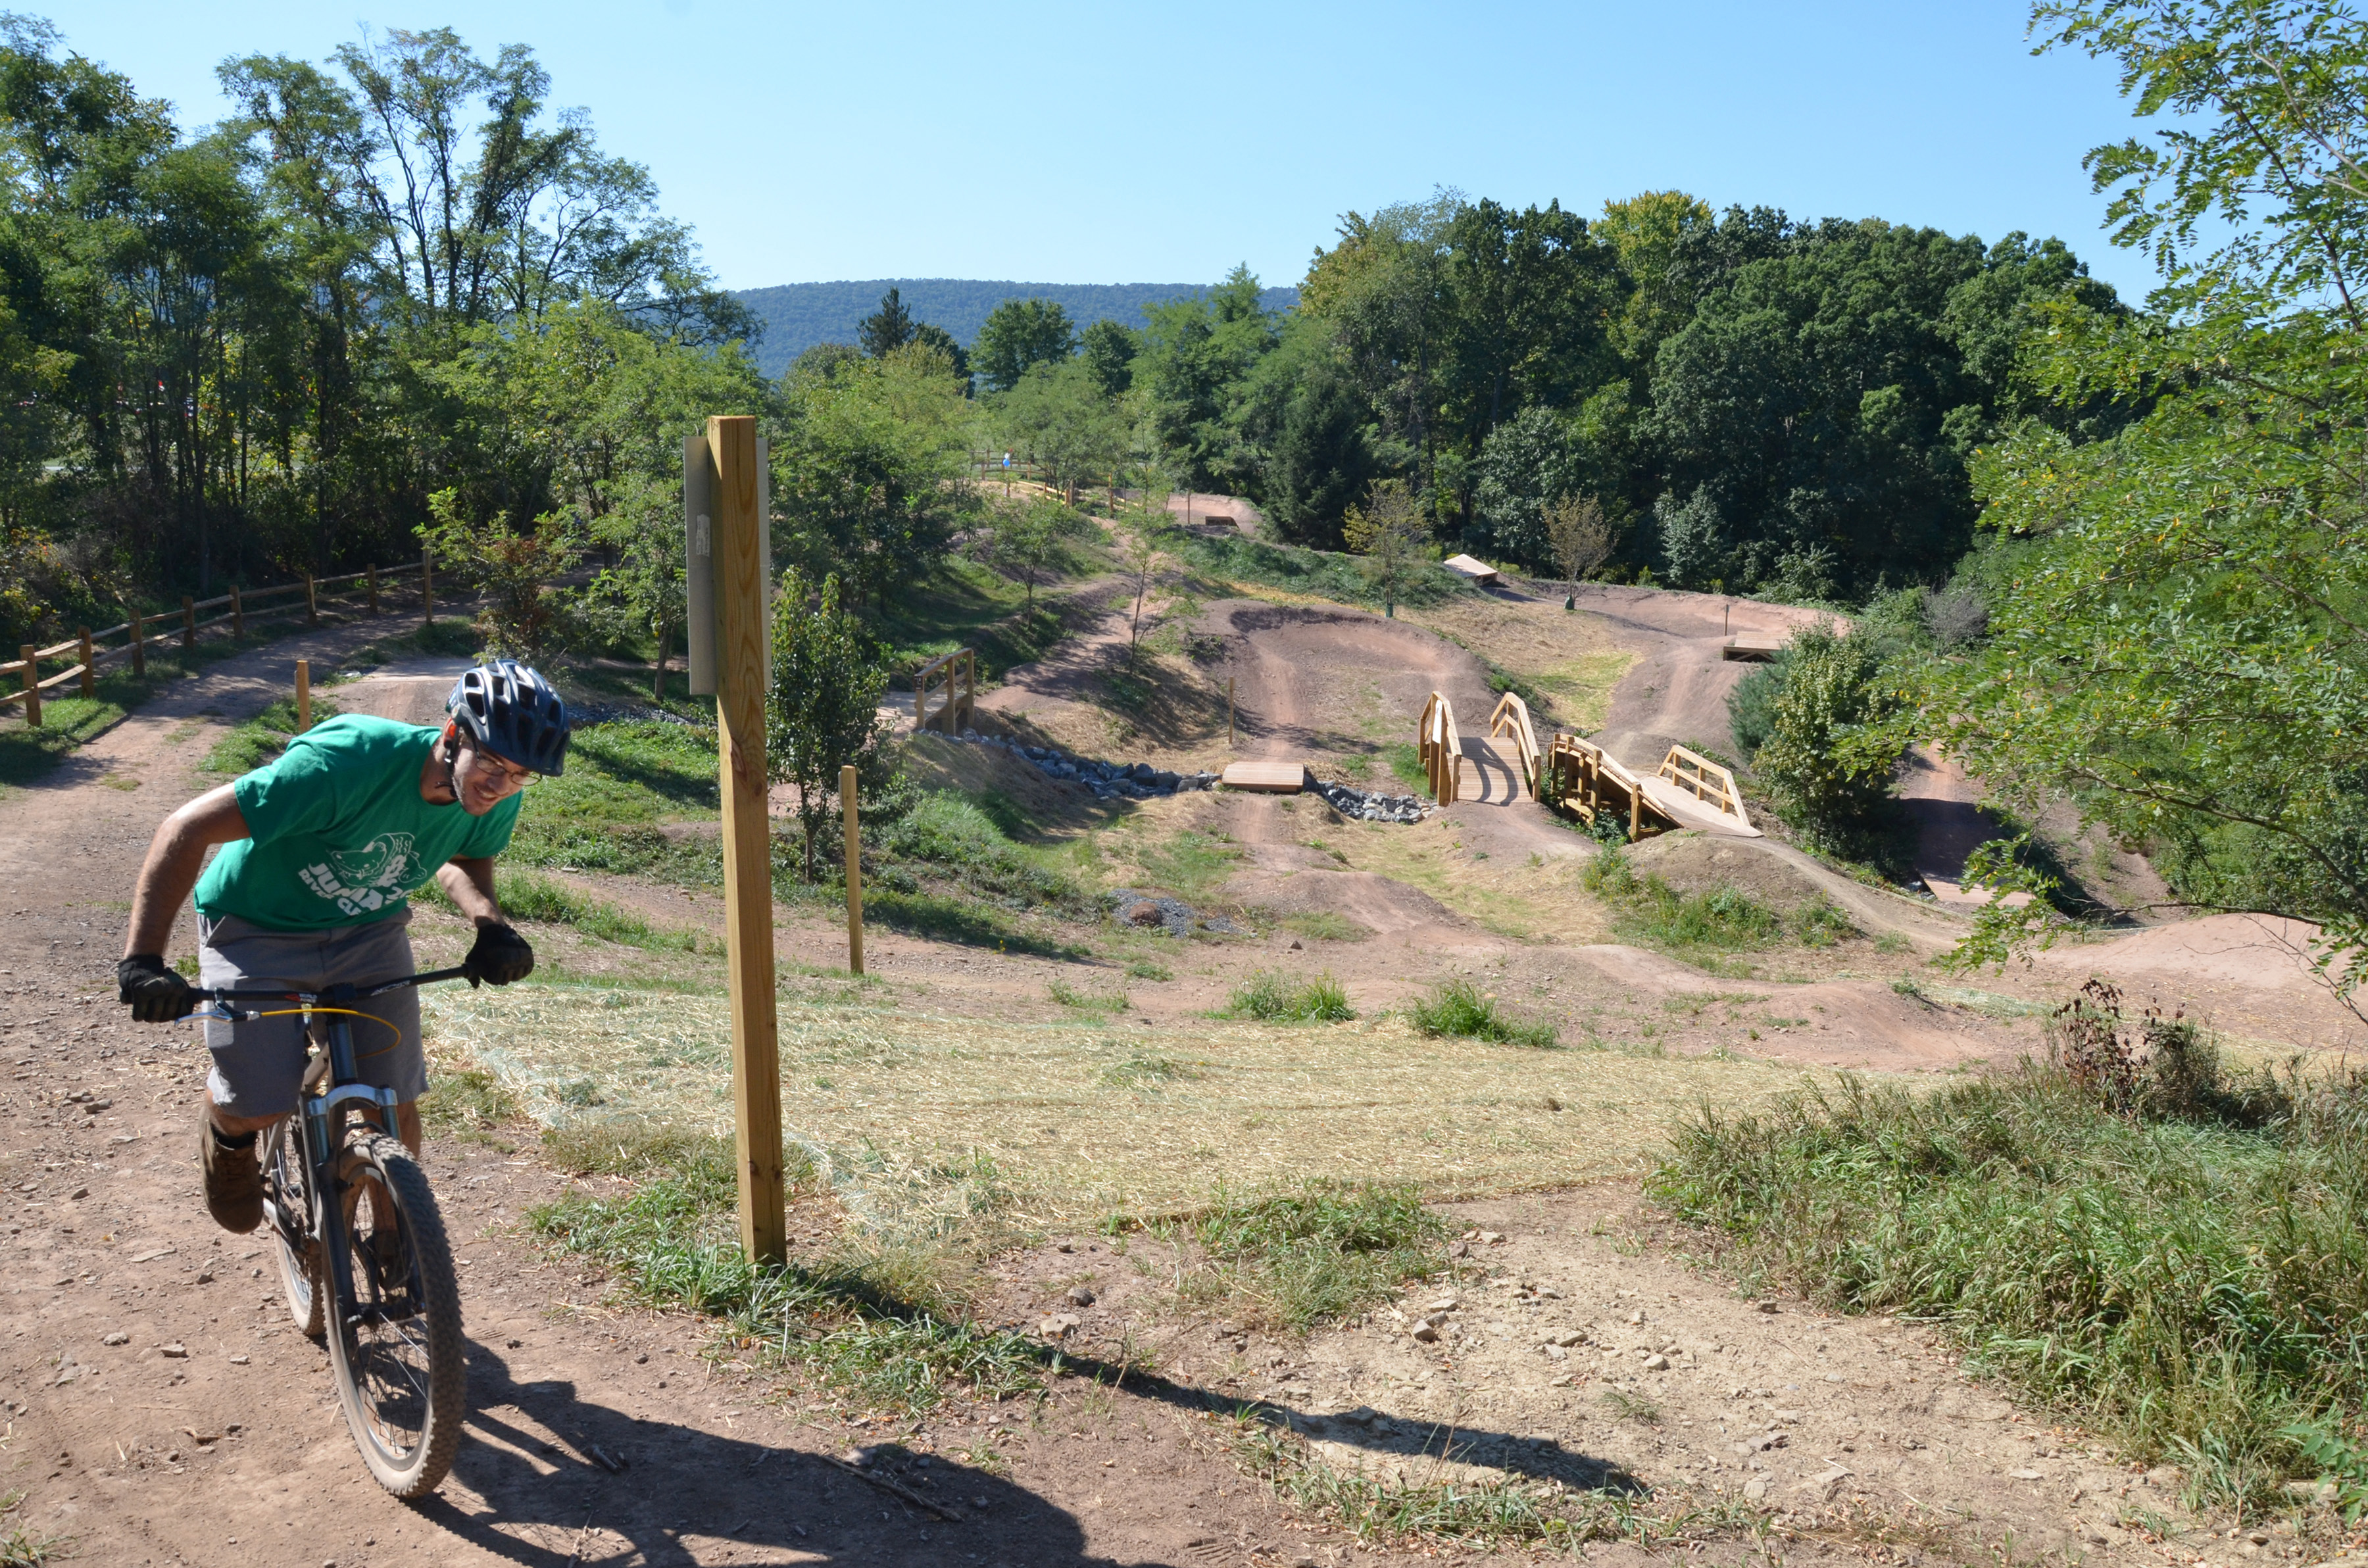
<point>225,996</point>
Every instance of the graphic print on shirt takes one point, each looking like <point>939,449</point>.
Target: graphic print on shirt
<point>368,879</point>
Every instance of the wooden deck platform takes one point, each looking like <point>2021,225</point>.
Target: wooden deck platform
<point>1266,778</point>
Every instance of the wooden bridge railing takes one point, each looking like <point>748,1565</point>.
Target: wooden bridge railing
<point>1441,747</point>
<point>1512,718</point>
<point>953,715</point>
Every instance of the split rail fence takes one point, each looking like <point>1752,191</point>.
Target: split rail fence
<point>367,589</point>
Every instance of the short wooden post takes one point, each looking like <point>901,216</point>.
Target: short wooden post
<point>189,621</point>
<point>303,695</point>
<point>740,595</point>
<point>1229,713</point>
<point>1636,812</point>
<point>371,573</point>
<point>426,588</point>
<point>32,685</point>
<point>89,676</point>
<point>312,602</point>
<point>920,697</point>
<point>237,614</point>
<point>854,873</point>
<point>139,645</point>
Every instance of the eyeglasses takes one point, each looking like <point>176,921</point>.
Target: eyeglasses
<point>493,773</point>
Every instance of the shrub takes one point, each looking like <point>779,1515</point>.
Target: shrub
<point>1460,1009</point>
<point>1324,1250</point>
<point>1827,761</point>
<point>1269,996</point>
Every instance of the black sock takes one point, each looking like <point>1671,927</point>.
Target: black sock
<point>225,1140</point>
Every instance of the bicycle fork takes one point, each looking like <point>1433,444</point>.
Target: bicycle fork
<point>325,1124</point>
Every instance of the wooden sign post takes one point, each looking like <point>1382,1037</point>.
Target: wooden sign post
<point>303,695</point>
<point>854,871</point>
<point>32,684</point>
<point>736,537</point>
<point>89,668</point>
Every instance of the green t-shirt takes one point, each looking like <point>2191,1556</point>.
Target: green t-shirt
<point>338,834</point>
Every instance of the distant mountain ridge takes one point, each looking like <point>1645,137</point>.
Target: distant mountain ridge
<point>799,315</point>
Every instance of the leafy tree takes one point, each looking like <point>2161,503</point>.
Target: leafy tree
<point>938,339</point>
<point>1143,545</point>
<point>1830,752</point>
<point>870,467</point>
<point>1059,418</point>
<point>824,711</point>
<point>1579,536</point>
<point>1390,532</point>
<point>1021,334</point>
<point>1190,377</point>
<point>1027,537</point>
<point>525,614</point>
<point>1109,348</point>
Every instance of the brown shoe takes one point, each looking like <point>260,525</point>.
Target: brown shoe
<point>233,1181</point>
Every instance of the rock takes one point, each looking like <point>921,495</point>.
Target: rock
<point>1787,1418</point>
<point>1066,1247</point>
<point>1146,913</point>
<point>1835,1378</point>
<point>1165,779</point>
<point>1656,1362</point>
<point>1756,1489</point>
<point>1554,1352</point>
<point>1568,1337</point>
<point>1079,1296</point>
<point>1491,1238</point>
<point>1563,1382</point>
<point>1550,1293</point>
<point>173,1352</point>
<point>1635,1317</point>
<point>1294,946</point>
<point>1764,1306</point>
<point>1428,1333</point>
<point>118,1337</point>
<point>2027,1474</point>
<point>1444,1304</point>
<point>1059,1325</point>
<point>238,1361</point>
<point>79,1192</point>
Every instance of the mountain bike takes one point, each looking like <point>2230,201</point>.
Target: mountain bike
<point>362,1250</point>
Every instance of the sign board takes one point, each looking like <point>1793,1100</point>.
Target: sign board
<point>698,557</point>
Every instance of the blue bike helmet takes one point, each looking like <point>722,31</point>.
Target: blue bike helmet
<point>506,708</point>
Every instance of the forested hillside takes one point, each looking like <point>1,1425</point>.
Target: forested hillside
<point>796,316</point>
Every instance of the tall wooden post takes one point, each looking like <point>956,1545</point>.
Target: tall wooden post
<point>1229,713</point>
<point>303,695</point>
<point>32,685</point>
<point>139,645</point>
<point>189,622</point>
<point>370,575</point>
<point>237,614</point>
<point>89,676</point>
<point>426,588</point>
<point>312,602</point>
<point>854,873</point>
<point>740,681</point>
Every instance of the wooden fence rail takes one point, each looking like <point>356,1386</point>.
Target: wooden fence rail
<point>24,682</point>
<point>1512,718</point>
<point>960,672</point>
<point>1705,781</point>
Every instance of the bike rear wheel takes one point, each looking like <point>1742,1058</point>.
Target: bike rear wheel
<point>398,1351</point>
<point>287,1195</point>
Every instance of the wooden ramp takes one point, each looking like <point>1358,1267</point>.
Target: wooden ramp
<point>1758,649</point>
<point>1266,778</point>
<point>1579,778</point>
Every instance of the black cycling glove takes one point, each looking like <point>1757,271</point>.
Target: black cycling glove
<point>500,956</point>
<point>153,991</point>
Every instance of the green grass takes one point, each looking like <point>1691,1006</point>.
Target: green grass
<point>261,739</point>
<point>467,1102</point>
<point>1460,1009</point>
<point>883,1324</point>
<point>1320,573</point>
<point>1147,1072</point>
<point>1325,1251</point>
<point>1651,914</point>
<point>975,924</point>
<point>948,842</point>
<point>1068,995</point>
<point>2179,1263</point>
<point>606,813</point>
<point>1405,766</point>
<point>966,604</point>
<point>525,896</point>
<point>1323,926</point>
<point>1269,996</point>
<point>1189,864</point>
<point>1483,1516</point>
<point>1144,969</point>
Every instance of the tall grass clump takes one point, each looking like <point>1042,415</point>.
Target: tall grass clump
<point>2171,1253</point>
<point>1652,912</point>
<point>883,1322</point>
<point>1460,1009</point>
<point>1323,1252</point>
<point>1269,996</point>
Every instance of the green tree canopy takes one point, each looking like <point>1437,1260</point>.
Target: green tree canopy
<point>1021,334</point>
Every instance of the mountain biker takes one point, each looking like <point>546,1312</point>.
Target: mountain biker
<point>324,847</point>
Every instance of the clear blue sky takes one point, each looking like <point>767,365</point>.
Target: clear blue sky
<point>1112,142</point>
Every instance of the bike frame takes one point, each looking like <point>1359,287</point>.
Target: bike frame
<point>323,1116</point>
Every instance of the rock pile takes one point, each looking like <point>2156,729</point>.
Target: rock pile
<point>1370,807</point>
<point>1157,911</point>
<point>1130,780</point>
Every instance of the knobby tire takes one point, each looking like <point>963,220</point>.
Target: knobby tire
<point>375,1382</point>
<point>289,1187</point>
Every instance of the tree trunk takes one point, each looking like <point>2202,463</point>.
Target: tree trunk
<point>657,677</point>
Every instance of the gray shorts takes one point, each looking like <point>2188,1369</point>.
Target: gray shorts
<point>259,1066</point>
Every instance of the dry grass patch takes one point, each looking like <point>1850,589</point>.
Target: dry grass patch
<point>916,1119</point>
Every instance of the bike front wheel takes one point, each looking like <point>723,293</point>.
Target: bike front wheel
<point>397,1347</point>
